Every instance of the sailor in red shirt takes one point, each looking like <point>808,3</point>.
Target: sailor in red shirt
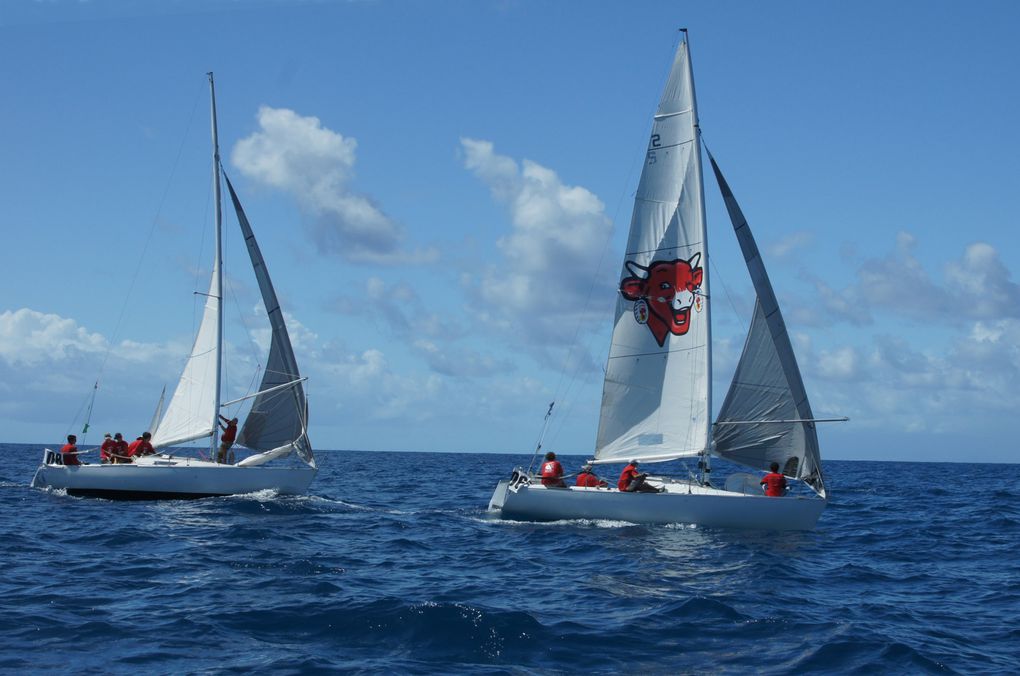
<point>106,450</point>
<point>552,471</point>
<point>227,438</point>
<point>588,479</point>
<point>141,446</point>
<point>632,481</point>
<point>120,449</point>
<point>774,483</point>
<point>69,451</point>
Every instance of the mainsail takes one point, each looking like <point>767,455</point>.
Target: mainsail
<point>279,413</point>
<point>656,400</point>
<point>766,416</point>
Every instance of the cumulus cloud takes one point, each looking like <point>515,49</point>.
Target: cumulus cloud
<point>976,285</point>
<point>539,290</point>
<point>30,338</point>
<point>298,155</point>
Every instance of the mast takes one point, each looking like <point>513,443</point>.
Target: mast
<point>704,459</point>
<point>218,262</point>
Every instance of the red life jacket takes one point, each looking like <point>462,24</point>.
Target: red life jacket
<point>69,454</point>
<point>628,474</point>
<point>775,484</point>
<point>587,479</point>
<point>229,434</point>
<point>139,447</point>
<point>551,473</point>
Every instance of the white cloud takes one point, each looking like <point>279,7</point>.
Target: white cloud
<point>298,155</point>
<point>31,338</point>
<point>538,293</point>
<point>977,285</point>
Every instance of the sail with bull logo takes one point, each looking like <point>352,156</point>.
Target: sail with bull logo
<point>657,392</point>
<point>276,426</point>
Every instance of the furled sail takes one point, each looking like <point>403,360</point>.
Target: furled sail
<point>279,414</point>
<point>656,400</point>
<point>192,410</point>
<point>767,386</point>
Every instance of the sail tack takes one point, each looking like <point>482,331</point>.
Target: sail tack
<point>656,399</point>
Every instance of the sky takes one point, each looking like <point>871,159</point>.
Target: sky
<point>442,192</point>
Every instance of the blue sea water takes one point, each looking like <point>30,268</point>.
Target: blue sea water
<point>391,563</point>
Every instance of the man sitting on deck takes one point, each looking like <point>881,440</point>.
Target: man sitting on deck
<point>141,446</point>
<point>588,479</point>
<point>69,451</point>
<point>632,481</point>
<point>552,472</point>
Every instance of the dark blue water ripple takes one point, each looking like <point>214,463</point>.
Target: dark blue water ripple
<point>390,566</point>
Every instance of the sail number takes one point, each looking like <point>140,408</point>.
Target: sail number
<point>654,143</point>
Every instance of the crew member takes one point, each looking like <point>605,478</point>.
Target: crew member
<point>552,472</point>
<point>632,481</point>
<point>106,450</point>
<point>227,438</point>
<point>774,483</point>
<point>141,446</point>
<point>588,479</point>
<point>69,451</point>
<point>120,449</point>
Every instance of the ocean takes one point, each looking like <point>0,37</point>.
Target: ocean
<point>391,564</point>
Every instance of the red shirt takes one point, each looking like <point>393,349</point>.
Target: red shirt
<point>628,474</point>
<point>69,454</point>
<point>107,448</point>
<point>588,479</point>
<point>775,484</point>
<point>120,448</point>
<point>551,473</point>
<point>139,447</point>
<point>229,434</point>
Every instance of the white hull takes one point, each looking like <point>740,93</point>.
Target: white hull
<point>166,477</point>
<point>682,503</point>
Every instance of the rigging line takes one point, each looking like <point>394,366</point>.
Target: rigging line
<point>148,238</point>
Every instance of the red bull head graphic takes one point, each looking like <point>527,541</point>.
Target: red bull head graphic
<point>663,294</point>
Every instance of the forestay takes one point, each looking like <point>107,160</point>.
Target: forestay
<point>278,415</point>
<point>656,399</point>
<point>767,396</point>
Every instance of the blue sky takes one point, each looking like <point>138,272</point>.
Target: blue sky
<point>442,192</point>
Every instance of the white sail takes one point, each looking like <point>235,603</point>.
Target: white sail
<point>159,411</point>
<point>278,415</point>
<point>767,386</point>
<point>656,400</point>
<point>192,409</point>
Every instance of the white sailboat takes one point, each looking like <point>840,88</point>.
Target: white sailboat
<point>276,425</point>
<point>657,394</point>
